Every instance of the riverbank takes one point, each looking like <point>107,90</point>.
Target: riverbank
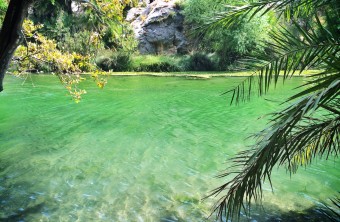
<point>189,75</point>
<point>198,75</point>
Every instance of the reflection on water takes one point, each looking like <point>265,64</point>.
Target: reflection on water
<point>142,149</point>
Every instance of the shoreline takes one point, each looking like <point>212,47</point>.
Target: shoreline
<point>197,75</point>
<point>191,75</point>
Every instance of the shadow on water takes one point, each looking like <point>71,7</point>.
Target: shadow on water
<point>20,215</point>
<point>17,207</point>
<point>314,214</point>
<point>8,199</point>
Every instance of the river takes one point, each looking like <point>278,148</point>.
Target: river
<point>141,149</point>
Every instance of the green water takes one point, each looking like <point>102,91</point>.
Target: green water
<point>142,149</point>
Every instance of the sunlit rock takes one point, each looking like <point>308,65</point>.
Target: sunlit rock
<point>158,27</point>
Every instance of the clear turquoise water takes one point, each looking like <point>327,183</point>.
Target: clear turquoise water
<point>142,149</point>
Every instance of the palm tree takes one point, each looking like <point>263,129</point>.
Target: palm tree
<point>309,126</point>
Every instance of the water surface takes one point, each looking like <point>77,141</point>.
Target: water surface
<point>142,149</point>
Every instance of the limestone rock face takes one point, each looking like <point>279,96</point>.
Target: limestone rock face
<point>158,27</point>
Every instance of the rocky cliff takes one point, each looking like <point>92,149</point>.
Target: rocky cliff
<point>158,27</point>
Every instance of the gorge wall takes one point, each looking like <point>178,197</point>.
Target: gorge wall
<point>158,27</point>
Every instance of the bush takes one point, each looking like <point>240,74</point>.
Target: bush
<point>201,62</point>
<point>118,61</point>
<point>158,67</point>
<point>120,37</point>
<point>159,63</point>
<point>84,43</point>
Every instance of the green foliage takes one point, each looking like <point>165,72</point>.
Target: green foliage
<point>166,63</point>
<point>159,63</point>
<point>42,50</point>
<point>98,25</point>
<point>116,61</point>
<point>84,43</point>
<point>201,62</point>
<point>158,67</point>
<point>120,37</point>
<point>110,37</point>
<point>229,42</point>
<point>41,54</point>
<point>71,35</point>
<point>3,8</point>
<point>122,61</point>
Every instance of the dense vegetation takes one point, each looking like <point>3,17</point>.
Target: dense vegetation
<point>228,44</point>
<point>94,36</point>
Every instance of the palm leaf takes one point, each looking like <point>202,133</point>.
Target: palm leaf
<point>288,8</point>
<point>332,212</point>
<point>292,55</point>
<point>310,125</point>
<point>294,138</point>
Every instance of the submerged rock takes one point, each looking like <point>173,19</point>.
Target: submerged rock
<point>158,27</point>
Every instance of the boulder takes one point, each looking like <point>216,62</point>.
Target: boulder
<point>158,27</point>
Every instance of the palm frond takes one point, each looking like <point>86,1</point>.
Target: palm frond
<point>310,126</point>
<point>292,54</point>
<point>288,8</point>
<point>294,137</point>
<point>332,212</point>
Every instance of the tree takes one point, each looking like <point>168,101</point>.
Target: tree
<point>229,43</point>
<point>10,34</point>
<point>309,127</point>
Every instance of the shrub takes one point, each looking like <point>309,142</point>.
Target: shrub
<point>84,43</point>
<point>117,61</point>
<point>156,63</point>
<point>158,67</point>
<point>201,62</point>
<point>120,37</point>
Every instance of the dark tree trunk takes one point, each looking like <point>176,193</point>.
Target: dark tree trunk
<point>10,34</point>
